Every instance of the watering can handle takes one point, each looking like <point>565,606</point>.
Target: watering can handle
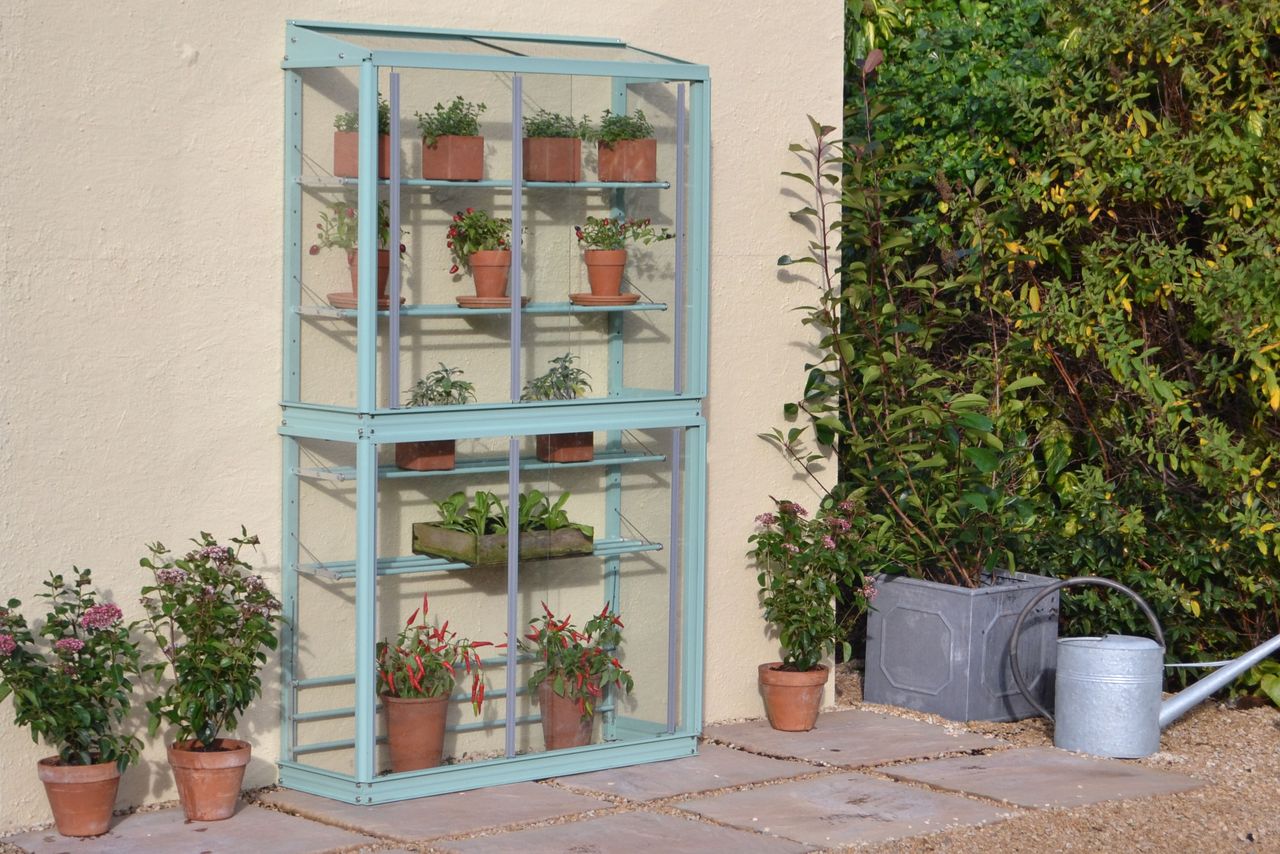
<point>1053,588</point>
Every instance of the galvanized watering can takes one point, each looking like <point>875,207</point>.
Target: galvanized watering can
<point>1107,690</point>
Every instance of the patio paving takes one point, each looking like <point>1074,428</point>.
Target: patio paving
<point>714,767</point>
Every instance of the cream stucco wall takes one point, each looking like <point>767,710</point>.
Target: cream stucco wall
<point>139,331</point>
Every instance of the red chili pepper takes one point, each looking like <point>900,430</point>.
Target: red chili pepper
<point>412,617</point>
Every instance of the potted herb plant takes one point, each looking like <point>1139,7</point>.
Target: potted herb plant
<point>416,677</point>
<point>452,147</point>
<point>552,147</point>
<point>337,230</point>
<point>481,243</point>
<point>213,620</point>
<point>576,669</point>
<point>474,530</point>
<point>807,568</point>
<point>441,387</point>
<point>562,381</point>
<point>73,697</point>
<point>626,148</point>
<point>605,254</point>
<point>346,142</point>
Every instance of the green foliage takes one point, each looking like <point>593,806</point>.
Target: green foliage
<point>484,513</point>
<point>562,381</point>
<point>613,233</point>
<point>424,661</point>
<point>475,231</point>
<point>615,128</point>
<point>75,696</point>
<point>350,122</point>
<point>338,227</point>
<point>213,622</point>
<point>1262,681</point>
<point>546,125</point>
<point>580,665</point>
<point>458,118</point>
<point>441,388</point>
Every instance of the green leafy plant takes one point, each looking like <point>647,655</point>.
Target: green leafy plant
<point>562,381</point>
<point>579,665</point>
<point>350,122</point>
<point>615,127</point>
<point>425,659</point>
<point>485,513</point>
<point>475,231</point>
<point>75,696</point>
<point>338,225</point>
<point>547,125</point>
<point>1263,680</point>
<point>441,387</point>
<point>613,233</point>
<point>457,118</point>
<point>213,620</point>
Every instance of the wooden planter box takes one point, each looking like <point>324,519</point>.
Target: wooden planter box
<point>491,549</point>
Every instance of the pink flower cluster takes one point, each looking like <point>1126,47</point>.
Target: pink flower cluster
<point>766,519</point>
<point>217,554</point>
<point>869,589</point>
<point>7,645</point>
<point>68,645</point>
<point>171,575</point>
<point>102,616</point>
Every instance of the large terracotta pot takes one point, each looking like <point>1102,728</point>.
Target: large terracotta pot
<point>209,781</point>
<point>628,160</point>
<point>792,698</point>
<point>489,269</point>
<point>562,724</point>
<point>552,159</point>
<point>346,154</point>
<point>565,447</point>
<point>454,158</point>
<point>426,456</point>
<point>604,270</point>
<point>384,270</point>
<point>415,731</point>
<point>80,796</point>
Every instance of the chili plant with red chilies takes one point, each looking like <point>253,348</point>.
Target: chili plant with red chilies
<point>427,660</point>
<point>580,665</point>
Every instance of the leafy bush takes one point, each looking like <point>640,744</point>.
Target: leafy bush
<point>458,118</point>
<point>615,127</point>
<point>546,125</point>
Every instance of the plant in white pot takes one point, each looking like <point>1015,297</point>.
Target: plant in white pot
<point>441,387</point>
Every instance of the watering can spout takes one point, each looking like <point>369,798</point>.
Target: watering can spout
<point>1182,702</point>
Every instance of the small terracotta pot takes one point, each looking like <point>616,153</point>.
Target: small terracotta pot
<point>415,731</point>
<point>552,159</point>
<point>604,270</point>
<point>792,698</point>
<point>454,158</point>
<point>628,160</point>
<point>209,782</point>
<point>565,447</point>
<point>426,456</point>
<point>346,154</point>
<point>384,270</point>
<point>562,724</point>
<point>80,796</point>
<point>489,269</point>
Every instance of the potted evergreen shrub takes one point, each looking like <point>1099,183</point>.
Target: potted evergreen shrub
<point>808,569</point>
<point>562,381</point>
<point>337,229</point>
<point>452,147</point>
<point>213,621</point>
<point>626,147</point>
<point>74,697</point>
<point>605,253</point>
<point>552,147</point>
<point>416,677</point>
<point>441,387</point>
<point>474,530</point>
<point>481,243</point>
<point>346,142</point>
<point>575,671</point>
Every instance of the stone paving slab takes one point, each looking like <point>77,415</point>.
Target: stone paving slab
<point>1044,777</point>
<point>843,809</point>
<point>852,738</point>
<point>441,815</point>
<point>713,768</point>
<point>167,831</point>
<point>626,833</point>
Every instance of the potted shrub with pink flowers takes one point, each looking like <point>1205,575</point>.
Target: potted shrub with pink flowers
<point>74,696</point>
<point>481,243</point>
<point>604,242</point>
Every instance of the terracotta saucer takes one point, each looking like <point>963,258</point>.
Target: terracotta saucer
<point>592,299</point>
<point>489,302</point>
<point>346,299</point>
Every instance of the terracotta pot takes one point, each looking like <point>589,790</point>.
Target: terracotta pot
<point>426,456</point>
<point>628,160</point>
<point>346,154</point>
<point>209,782</point>
<point>562,724</point>
<point>454,158</point>
<point>415,731</point>
<point>552,159</point>
<point>384,270</point>
<point>604,270</point>
<point>80,796</point>
<point>565,447</point>
<point>489,269</point>
<point>792,697</point>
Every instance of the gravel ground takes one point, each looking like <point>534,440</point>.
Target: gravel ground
<point>1234,751</point>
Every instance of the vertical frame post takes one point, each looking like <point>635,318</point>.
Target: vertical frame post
<point>366,605</point>
<point>699,235</point>
<point>513,446</point>
<point>675,567</point>
<point>367,241</point>
<point>677,357</point>
<point>693,557</point>
<point>393,244</point>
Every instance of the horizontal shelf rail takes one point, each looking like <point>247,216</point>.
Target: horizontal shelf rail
<point>326,181</point>
<point>448,310</point>
<point>482,465</point>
